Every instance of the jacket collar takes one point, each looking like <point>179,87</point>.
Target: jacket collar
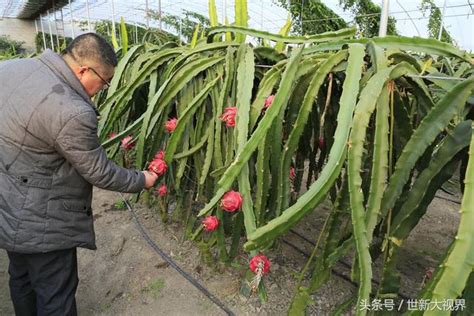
<point>60,68</point>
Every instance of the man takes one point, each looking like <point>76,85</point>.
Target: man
<point>50,157</point>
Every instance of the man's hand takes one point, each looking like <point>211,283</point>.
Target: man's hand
<point>150,178</point>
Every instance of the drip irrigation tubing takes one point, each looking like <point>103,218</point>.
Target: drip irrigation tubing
<point>446,191</point>
<point>305,254</point>
<point>447,199</point>
<point>173,264</point>
<point>333,270</point>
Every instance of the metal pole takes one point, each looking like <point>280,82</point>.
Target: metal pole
<point>224,11</point>
<point>442,21</point>
<point>159,14</point>
<point>36,27</point>
<point>88,16</point>
<point>136,33</point>
<point>42,32</point>
<point>56,25</point>
<point>113,17</point>
<point>72,20</point>
<point>50,32</point>
<point>384,18</point>
<point>147,15</point>
<point>62,23</point>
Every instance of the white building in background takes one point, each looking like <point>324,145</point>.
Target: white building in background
<point>25,30</point>
<point>19,30</point>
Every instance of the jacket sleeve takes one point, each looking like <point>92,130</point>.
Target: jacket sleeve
<point>78,143</point>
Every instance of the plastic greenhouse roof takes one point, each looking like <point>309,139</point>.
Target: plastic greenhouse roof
<point>263,14</point>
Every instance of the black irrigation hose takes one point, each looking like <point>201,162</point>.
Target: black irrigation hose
<point>446,191</point>
<point>333,270</point>
<point>304,253</point>
<point>173,264</point>
<point>344,263</point>
<point>447,199</point>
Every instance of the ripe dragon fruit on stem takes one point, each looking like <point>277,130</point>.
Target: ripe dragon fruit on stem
<point>268,101</point>
<point>259,264</point>
<point>170,125</point>
<point>127,143</point>
<point>162,190</point>
<point>158,166</point>
<point>229,116</point>
<point>292,173</point>
<point>231,201</point>
<point>210,223</point>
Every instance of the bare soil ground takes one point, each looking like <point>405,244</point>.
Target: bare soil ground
<point>126,277</point>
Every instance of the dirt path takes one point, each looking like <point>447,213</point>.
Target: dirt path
<point>126,277</point>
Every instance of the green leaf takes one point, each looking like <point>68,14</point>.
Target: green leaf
<point>323,37</point>
<point>209,151</point>
<point>195,36</point>
<point>344,306</point>
<point>222,99</point>
<point>414,44</point>
<point>114,37</point>
<point>285,30</point>
<point>460,262</point>
<point>243,156</point>
<point>184,119</point>
<point>364,109</point>
<point>432,124</point>
<point>406,219</point>
<point>245,70</point>
<point>265,88</point>
<point>164,96</point>
<point>123,36</point>
<point>123,64</point>
<point>302,118</point>
<point>381,148</point>
<point>318,190</point>
<point>194,149</point>
<point>300,301</point>
<point>119,100</point>
<point>241,18</point>
<point>379,165</point>
<point>212,13</point>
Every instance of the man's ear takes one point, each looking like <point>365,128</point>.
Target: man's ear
<point>83,69</point>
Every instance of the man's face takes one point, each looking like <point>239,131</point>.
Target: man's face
<point>95,78</point>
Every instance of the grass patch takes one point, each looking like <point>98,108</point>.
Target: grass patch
<point>155,287</point>
<point>105,306</point>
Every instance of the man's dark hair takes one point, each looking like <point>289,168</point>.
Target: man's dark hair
<point>92,47</point>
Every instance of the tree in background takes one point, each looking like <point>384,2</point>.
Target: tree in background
<point>136,34</point>
<point>186,24</point>
<point>434,23</point>
<point>367,17</point>
<point>312,14</point>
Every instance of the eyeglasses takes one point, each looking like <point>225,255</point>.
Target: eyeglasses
<point>106,83</point>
